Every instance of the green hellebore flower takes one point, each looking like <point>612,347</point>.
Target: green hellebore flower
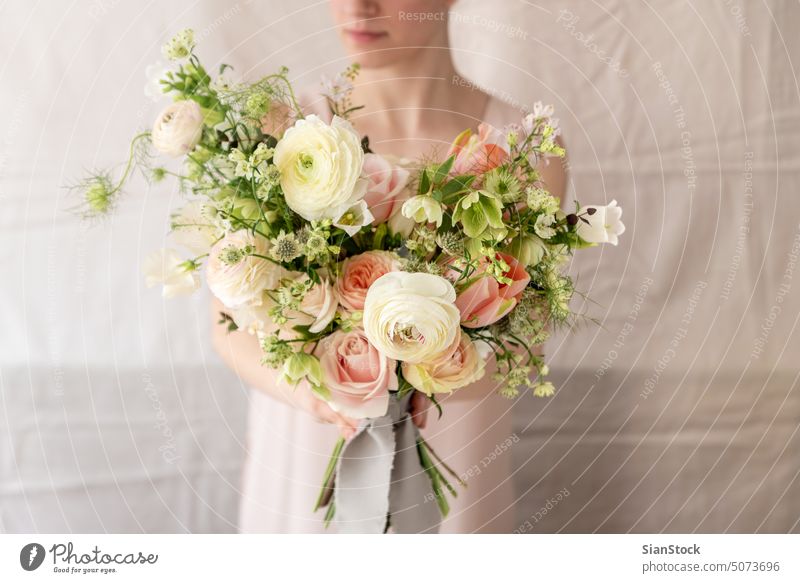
<point>479,212</point>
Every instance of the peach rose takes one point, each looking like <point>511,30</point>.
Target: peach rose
<point>358,376</point>
<point>359,272</point>
<point>477,154</point>
<point>485,300</point>
<point>386,184</point>
<point>460,367</point>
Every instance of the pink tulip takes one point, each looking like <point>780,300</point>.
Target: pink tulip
<point>486,300</point>
<point>477,154</point>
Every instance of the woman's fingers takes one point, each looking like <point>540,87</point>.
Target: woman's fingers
<point>419,409</point>
<point>346,425</point>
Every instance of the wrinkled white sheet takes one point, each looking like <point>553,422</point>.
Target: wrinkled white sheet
<point>680,413</point>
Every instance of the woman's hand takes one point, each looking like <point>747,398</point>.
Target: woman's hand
<point>419,409</point>
<point>304,399</point>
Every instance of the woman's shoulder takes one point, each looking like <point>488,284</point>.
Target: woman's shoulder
<point>500,113</point>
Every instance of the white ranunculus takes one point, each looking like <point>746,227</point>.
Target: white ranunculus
<point>178,128</point>
<point>166,267</point>
<point>600,224</point>
<point>423,209</point>
<point>318,307</point>
<point>237,272</point>
<point>411,317</point>
<point>320,167</point>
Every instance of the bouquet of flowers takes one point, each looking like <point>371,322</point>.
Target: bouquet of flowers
<point>367,277</point>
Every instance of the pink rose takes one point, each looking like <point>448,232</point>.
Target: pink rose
<point>477,154</point>
<point>485,300</point>
<point>359,272</point>
<point>461,366</point>
<point>358,376</point>
<point>386,184</point>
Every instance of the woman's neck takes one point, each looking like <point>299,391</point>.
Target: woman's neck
<point>409,95</point>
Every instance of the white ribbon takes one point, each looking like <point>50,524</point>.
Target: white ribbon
<point>380,482</point>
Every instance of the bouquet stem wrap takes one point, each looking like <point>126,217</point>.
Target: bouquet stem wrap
<point>380,480</point>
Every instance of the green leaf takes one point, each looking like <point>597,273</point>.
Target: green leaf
<point>380,235</point>
<point>455,187</point>
<point>424,182</point>
<point>443,169</point>
<point>436,404</point>
<point>326,492</point>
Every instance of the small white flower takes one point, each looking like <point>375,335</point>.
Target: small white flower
<point>423,209</point>
<point>541,110</point>
<point>155,73</point>
<point>193,229</point>
<point>600,224</point>
<point>166,267</point>
<point>180,46</point>
<point>354,218</point>
<point>543,227</point>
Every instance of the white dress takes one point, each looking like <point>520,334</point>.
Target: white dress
<point>287,450</point>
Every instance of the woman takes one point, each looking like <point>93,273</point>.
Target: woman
<point>415,104</point>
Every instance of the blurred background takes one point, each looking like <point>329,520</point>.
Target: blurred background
<point>678,413</point>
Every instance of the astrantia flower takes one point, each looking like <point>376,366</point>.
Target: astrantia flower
<point>541,201</point>
<point>166,267</point>
<point>503,184</point>
<point>180,46</point>
<point>286,247</point>
<point>451,243</point>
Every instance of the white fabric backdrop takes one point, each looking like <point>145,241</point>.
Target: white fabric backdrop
<point>680,413</point>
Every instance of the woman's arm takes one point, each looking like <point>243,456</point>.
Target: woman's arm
<point>242,353</point>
